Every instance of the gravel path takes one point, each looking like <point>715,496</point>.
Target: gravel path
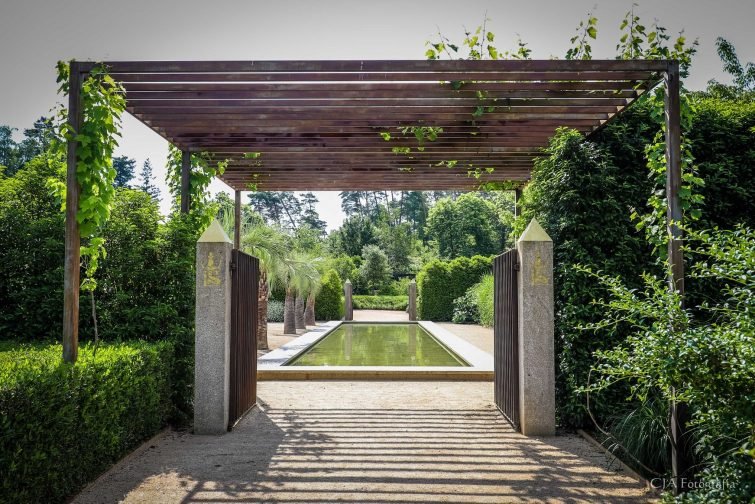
<point>366,442</point>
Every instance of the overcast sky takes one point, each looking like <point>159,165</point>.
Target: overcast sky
<point>34,34</point>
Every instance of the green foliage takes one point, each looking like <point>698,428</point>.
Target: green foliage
<point>124,168</point>
<point>355,233</point>
<point>581,48</point>
<point>380,302</point>
<point>102,101</point>
<point>466,226</point>
<point>743,76</point>
<point>640,433</point>
<point>37,140</point>
<point>274,311</point>
<point>398,287</point>
<point>31,253</point>
<point>582,198</point>
<point>465,309</point>
<point>483,299</point>
<point>329,302</point>
<point>671,353</point>
<point>440,282</point>
<point>344,266</point>
<point>375,271</point>
<point>64,424</point>
<point>204,167</point>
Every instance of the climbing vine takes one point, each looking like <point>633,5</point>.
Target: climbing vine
<point>477,44</point>
<point>102,102</point>
<point>204,167</point>
<point>639,42</point>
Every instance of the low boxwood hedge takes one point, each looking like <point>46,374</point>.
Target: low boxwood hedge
<point>61,425</point>
<point>380,302</point>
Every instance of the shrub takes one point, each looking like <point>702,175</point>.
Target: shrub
<point>674,354</point>
<point>275,311</point>
<point>63,424</point>
<point>465,309</point>
<point>398,287</point>
<point>440,282</point>
<point>380,302</point>
<point>483,299</point>
<point>31,254</point>
<point>329,302</point>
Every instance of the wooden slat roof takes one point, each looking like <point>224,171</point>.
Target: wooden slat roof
<point>317,124</point>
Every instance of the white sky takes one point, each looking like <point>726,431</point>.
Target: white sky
<point>34,34</point>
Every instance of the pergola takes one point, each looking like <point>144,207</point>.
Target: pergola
<point>317,125</point>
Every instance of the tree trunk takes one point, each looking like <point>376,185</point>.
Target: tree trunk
<point>289,313</point>
<point>299,307</point>
<point>309,311</point>
<point>262,295</point>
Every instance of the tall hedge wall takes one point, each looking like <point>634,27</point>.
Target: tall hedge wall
<point>63,424</point>
<point>440,282</point>
<point>583,193</point>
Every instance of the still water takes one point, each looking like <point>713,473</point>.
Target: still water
<point>378,345</point>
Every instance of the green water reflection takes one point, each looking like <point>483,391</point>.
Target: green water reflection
<point>377,345</point>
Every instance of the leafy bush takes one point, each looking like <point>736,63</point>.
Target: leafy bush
<point>275,311</point>
<point>483,299</point>
<point>329,302</point>
<point>63,424</point>
<point>380,302</point>
<point>398,287</point>
<point>31,254</point>
<point>465,309</point>
<point>709,366</point>
<point>440,282</point>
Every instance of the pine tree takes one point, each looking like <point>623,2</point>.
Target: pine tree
<point>148,179</point>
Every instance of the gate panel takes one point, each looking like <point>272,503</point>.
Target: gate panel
<point>506,336</point>
<point>243,359</point>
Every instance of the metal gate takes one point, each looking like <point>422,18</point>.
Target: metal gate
<point>244,287</point>
<point>506,335</point>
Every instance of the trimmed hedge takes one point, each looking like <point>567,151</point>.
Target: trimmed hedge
<point>61,425</point>
<point>381,302</point>
<point>329,302</point>
<point>439,283</point>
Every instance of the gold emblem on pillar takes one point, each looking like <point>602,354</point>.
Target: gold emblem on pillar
<point>211,271</point>
<point>539,276</point>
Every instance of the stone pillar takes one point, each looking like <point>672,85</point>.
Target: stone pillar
<point>348,301</point>
<point>537,376</point>
<point>213,331</point>
<point>412,309</point>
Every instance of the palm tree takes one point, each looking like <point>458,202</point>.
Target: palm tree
<point>269,246</point>
<point>302,276</point>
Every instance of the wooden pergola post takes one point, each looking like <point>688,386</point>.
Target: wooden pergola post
<point>72,238</point>
<point>681,460</point>
<point>185,189</point>
<point>237,221</point>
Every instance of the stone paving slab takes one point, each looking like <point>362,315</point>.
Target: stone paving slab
<point>367,442</point>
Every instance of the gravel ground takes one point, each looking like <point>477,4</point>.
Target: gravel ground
<point>368,442</point>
